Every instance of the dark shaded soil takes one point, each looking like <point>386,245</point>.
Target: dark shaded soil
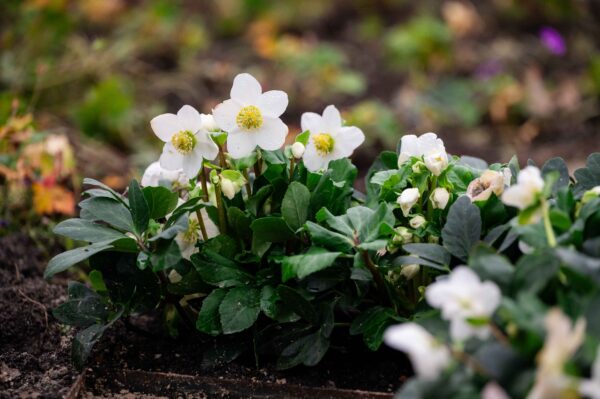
<point>34,348</point>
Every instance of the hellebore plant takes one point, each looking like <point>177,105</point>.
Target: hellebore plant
<point>476,271</point>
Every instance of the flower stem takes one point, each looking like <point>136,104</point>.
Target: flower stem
<point>498,334</point>
<point>469,361</point>
<point>258,166</point>
<point>547,224</point>
<point>379,282</point>
<point>248,186</point>
<point>221,210</point>
<point>202,175</point>
<point>292,165</point>
<point>222,160</point>
<point>202,226</point>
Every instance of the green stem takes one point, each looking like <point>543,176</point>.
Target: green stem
<point>292,165</point>
<point>202,226</point>
<point>221,210</point>
<point>248,186</point>
<point>377,277</point>
<point>202,175</point>
<point>548,225</point>
<point>222,159</point>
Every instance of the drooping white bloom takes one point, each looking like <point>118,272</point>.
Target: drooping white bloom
<point>252,118</point>
<point>155,174</point>
<point>187,142</point>
<point>228,188</point>
<point>428,356</point>
<point>409,271</point>
<point>407,199</point>
<point>428,146</point>
<point>417,221</point>
<point>562,341</point>
<point>524,193</point>
<point>439,198</point>
<point>489,182</point>
<point>298,149</point>
<point>186,240</point>
<point>463,296</point>
<point>328,139</point>
<point>492,390</point>
<point>590,388</point>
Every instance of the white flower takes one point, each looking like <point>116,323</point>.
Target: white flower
<point>155,174</point>
<point>591,388</point>
<point>186,139</point>
<point>229,189</point>
<point>298,149</point>
<point>436,161</point>
<point>463,296</point>
<point>407,199</point>
<point>492,390</point>
<point>428,146</point>
<point>489,182</point>
<point>328,139</point>
<point>428,356</point>
<point>439,198</point>
<point>409,271</point>
<point>417,221</point>
<point>251,117</point>
<point>402,235</point>
<point>186,240</point>
<point>525,192</point>
<point>562,340</point>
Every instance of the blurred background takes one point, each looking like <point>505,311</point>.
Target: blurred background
<point>81,79</point>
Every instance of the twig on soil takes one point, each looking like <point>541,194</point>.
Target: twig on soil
<point>76,387</point>
<point>37,304</point>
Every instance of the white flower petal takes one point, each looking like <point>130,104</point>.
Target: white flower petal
<point>189,118</point>
<point>192,163</point>
<point>245,89</point>
<point>347,140</point>
<point>430,142</point>
<point>312,160</point>
<point>225,114</point>
<point>170,159</point>
<point>409,147</point>
<point>311,121</point>
<point>273,103</point>
<point>240,143</point>
<point>165,126</point>
<point>207,147</point>
<point>332,119</point>
<point>271,135</point>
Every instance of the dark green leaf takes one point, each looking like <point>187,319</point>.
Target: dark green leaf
<point>83,343</point>
<point>462,229</point>
<point>491,266</point>
<point>140,211</point>
<point>320,236</point>
<point>161,201</point>
<point>312,261</point>
<point>107,210</point>
<point>209,320</point>
<point>65,260</point>
<point>299,305</point>
<point>84,230</point>
<point>239,309</point>
<point>294,207</point>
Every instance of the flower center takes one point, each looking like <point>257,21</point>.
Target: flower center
<point>249,118</point>
<point>323,143</point>
<point>191,234</point>
<point>184,141</point>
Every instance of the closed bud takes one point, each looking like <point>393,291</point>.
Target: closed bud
<point>439,198</point>
<point>417,222</point>
<point>407,199</point>
<point>298,149</point>
<point>228,188</point>
<point>409,271</point>
<point>436,162</point>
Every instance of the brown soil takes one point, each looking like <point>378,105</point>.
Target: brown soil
<point>34,347</point>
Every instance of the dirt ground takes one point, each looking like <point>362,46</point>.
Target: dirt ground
<point>35,349</point>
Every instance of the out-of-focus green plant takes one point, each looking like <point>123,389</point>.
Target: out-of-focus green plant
<point>377,119</point>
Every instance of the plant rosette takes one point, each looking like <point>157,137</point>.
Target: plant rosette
<point>487,273</point>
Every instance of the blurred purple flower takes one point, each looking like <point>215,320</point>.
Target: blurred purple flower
<point>553,40</point>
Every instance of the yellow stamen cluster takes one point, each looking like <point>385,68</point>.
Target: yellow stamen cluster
<point>249,118</point>
<point>323,143</point>
<point>184,141</point>
<point>191,234</point>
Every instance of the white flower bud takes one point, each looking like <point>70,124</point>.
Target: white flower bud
<point>409,271</point>
<point>402,236</point>
<point>590,194</point>
<point>417,222</point>
<point>436,161</point>
<point>527,190</point>
<point>439,198</point>
<point>418,167</point>
<point>228,188</point>
<point>407,199</point>
<point>208,122</point>
<point>174,277</point>
<point>298,149</point>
